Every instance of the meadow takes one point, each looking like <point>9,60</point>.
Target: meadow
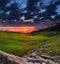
<point>20,44</point>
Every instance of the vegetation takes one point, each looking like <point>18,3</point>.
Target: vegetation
<point>53,48</point>
<point>20,44</point>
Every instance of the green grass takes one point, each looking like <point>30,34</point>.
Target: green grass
<point>54,46</point>
<point>20,44</point>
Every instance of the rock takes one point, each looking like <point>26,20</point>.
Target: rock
<point>33,59</point>
<point>43,63</point>
<point>30,63</point>
<point>11,59</point>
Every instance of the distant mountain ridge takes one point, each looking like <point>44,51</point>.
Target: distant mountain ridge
<point>53,28</point>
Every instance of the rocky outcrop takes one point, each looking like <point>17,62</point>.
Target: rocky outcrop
<point>37,57</point>
<point>31,58</point>
<point>11,59</point>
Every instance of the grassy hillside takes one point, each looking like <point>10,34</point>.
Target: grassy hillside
<point>19,44</point>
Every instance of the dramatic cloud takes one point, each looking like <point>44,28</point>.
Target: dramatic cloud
<point>29,8</point>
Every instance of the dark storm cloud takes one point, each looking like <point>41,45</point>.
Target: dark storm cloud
<point>29,8</point>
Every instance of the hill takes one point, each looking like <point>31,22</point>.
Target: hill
<point>20,44</point>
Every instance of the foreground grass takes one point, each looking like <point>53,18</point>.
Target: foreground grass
<point>19,44</point>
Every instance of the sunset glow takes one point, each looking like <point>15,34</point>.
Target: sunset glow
<point>26,29</point>
<point>22,29</point>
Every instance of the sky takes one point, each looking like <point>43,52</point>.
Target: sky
<point>19,2</point>
<point>46,2</point>
<point>23,4</point>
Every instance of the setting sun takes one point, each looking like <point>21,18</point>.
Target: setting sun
<point>24,30</point>
<point>27,29</point>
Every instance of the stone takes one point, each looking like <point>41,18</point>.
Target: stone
<point>11,59</point>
